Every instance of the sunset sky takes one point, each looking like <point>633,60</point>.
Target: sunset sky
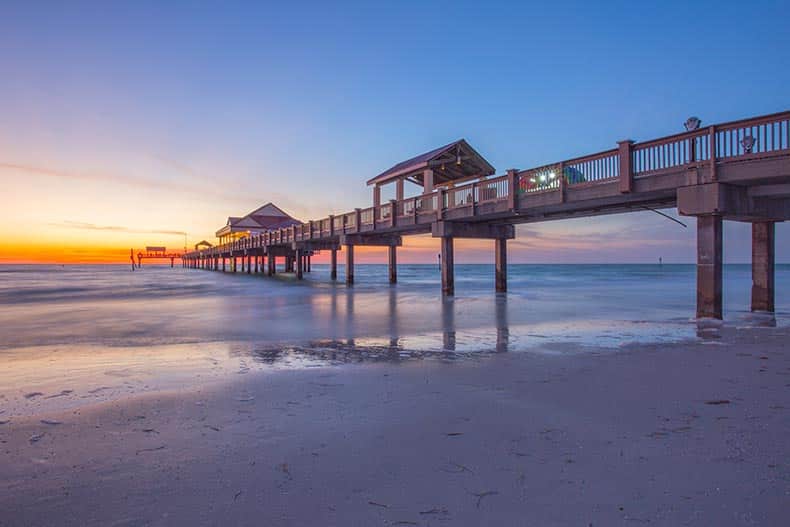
<point>124,125</point>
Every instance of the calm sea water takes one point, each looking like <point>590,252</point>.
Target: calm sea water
<point>105,327</point>
<point>110,305</point>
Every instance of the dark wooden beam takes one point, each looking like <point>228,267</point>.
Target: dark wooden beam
<point>441,229</point>
<point>375,240</point>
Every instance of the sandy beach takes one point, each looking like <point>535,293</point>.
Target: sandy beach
<point>663,434</point>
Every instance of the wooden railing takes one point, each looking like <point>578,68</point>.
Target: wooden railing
<point>366,216</point>
<point>670,152</point>
<point>723,143</point>
<point>771,134</point>
<point>602,166</point>
<point>540,179</point>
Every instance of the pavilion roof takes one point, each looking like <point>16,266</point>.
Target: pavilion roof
<point>267,217</point>
<point>456,161</point>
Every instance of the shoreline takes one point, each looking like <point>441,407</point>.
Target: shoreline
<point>683,433</point>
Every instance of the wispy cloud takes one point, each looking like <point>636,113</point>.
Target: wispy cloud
<point>195,189</point>
<point>67,224</point>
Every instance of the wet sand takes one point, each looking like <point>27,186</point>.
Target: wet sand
<point>662,434</point>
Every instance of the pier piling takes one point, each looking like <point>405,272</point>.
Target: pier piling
<point>448,278</point>
<point>709,266</point>
<point>500,266</point>
<point>763,264</point>
<point>393,263</point>
<point>349,264</point>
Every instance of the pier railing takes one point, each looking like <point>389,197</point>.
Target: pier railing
<point>710,146</point>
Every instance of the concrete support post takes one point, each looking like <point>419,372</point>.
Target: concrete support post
<point>709,266</point>
<point>500,256</point>
<point>249,264</point>
<point>448,278</point>
<point>309,263</point>
<point>626,177</point>
<point>763,264</point>
<point>223,264</point>
<point>257,267</point>
<point>349,264</point>
<point>299,265</point>
<point>234,264</point>
<point>393,263</point>
<point>393,213</point>
<point>271,267</point>
<point>512,188</point>
<point>333,264</point>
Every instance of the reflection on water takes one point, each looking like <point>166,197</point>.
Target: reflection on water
<point>78,329</point>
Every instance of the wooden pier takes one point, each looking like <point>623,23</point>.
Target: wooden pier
<point>731,171</point>
<point>155,253</point>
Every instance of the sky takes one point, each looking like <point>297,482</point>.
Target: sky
<point>125,124</point>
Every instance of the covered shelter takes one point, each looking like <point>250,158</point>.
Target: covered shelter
<point>443,167</point>
<point>265,218</point>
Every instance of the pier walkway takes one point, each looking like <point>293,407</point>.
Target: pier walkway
<point>731,171</point>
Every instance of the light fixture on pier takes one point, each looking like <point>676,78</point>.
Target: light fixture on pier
<point>692,123</point>
<point>748,143</point>
<point>552,175</point>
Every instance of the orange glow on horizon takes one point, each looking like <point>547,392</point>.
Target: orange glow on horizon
<point>417,249</point>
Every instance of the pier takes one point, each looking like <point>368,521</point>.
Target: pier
<point>155,253</point>
<point>735,171</point>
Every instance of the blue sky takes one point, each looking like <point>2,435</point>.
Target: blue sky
<point>189,112</point>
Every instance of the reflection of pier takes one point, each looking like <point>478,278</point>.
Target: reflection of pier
<point>155,253</point>
<point>732,171</point>
<point>395,343</point>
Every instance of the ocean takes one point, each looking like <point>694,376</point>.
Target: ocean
<point>103,329</point>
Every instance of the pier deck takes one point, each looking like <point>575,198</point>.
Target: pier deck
<point>731,171</point>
